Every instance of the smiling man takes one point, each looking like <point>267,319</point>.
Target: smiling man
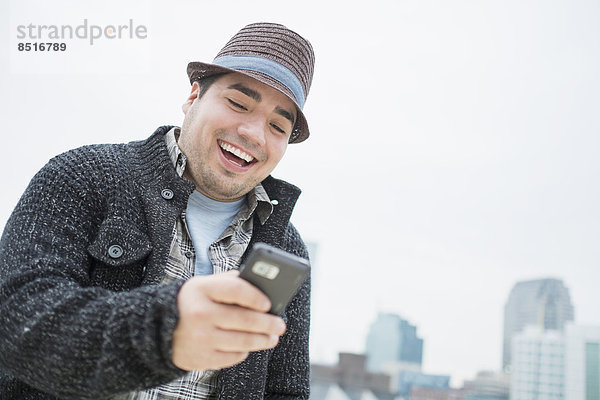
<point>118,265</point>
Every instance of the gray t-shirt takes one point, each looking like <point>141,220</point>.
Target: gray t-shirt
<point>206,219</point>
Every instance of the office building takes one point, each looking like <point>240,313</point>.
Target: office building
<point>544,302</point>
<point>392,339</point>
<point>538,365</point>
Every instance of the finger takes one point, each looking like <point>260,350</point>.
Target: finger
<point>235,318</point>
<point>231,341</point>
<point>216,359</point>
<point>230,289</point>
<point>231,272</point>
<point>227,359</point>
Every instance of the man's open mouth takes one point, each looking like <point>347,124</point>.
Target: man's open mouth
<point>236,155</point>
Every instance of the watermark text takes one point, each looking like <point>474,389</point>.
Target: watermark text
<point>90,32</point>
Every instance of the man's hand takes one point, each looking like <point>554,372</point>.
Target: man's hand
<point>221,319</point>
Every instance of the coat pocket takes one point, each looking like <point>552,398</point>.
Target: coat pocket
<point>119,243</point>
<point>119,254</point>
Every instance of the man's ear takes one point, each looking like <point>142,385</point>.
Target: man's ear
<point>191,98</point>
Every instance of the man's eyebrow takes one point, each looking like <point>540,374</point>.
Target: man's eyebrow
<point>253,94</point>
<point>285,114</point>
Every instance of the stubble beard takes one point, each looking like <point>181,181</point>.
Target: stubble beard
<point>220,187</point>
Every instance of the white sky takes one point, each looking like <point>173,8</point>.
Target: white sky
<point>454,146</point>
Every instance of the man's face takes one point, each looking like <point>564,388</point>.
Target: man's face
<point>234,135</point>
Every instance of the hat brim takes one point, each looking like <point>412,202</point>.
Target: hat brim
<point>199,70</point>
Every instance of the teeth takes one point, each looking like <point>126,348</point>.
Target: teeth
<point>246,157</point>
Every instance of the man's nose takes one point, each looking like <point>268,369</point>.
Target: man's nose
<point>253,130</point>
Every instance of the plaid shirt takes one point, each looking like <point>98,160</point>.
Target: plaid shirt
<point>225,254</point>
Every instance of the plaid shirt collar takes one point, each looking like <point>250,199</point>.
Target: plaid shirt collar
<point>257,199</point>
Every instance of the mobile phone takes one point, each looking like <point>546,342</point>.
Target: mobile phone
<point>276,273</point>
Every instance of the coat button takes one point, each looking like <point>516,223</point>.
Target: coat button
<point>274,202</point>
<point>189,254</point>
<point>115,251</point>
<point>167,194</point>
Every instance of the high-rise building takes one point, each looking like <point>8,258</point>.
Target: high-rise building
<point>538,365</point>
<point>544,302</point>
<point>582,362</point>
<point>392,339</point>
<point>554,365</point>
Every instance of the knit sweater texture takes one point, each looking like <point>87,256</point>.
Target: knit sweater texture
<point>80,319</point>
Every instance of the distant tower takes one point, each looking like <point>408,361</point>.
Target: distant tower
<point>545,303</point>
<point>392,339</point>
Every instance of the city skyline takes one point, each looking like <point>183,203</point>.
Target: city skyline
<point>530,296</point>
<point>549,361</point>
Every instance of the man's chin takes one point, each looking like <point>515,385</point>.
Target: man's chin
<point>222,186</point>
<point>225,194</point>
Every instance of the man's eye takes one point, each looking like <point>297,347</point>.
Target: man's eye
<point>277,128</point>
<point>237,105</point>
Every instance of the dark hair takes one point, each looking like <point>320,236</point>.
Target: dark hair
<point>206,83</point>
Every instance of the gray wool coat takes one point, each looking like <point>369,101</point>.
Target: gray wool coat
<point>78,323</point>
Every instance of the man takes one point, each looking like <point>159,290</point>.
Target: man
<point>118,266</point>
